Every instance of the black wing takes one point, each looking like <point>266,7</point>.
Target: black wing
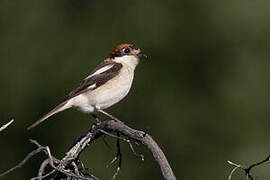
<point>98,79</point>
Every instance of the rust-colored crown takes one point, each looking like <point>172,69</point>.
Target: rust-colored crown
<point>117,51</point>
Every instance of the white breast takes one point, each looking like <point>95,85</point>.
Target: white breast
<point>113,91</point>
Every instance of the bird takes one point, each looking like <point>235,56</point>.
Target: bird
<point>106,85</point>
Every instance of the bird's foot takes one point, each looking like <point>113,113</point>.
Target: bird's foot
<point>96,119</point>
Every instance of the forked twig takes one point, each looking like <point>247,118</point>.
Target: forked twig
<point>125,140</point>
<point>50,160</point>
<point>247,169</point>
<point>22,162</point>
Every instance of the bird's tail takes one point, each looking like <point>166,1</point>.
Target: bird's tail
<point>61,107</point>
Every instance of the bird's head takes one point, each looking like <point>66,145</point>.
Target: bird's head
<point>126,53</point>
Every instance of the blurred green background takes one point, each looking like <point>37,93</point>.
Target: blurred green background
<point>203,93</point>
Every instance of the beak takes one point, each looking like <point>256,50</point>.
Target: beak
<point>142,55</point>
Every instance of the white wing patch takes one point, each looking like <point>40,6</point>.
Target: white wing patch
<point>101,70</point>
<point>92,86</point>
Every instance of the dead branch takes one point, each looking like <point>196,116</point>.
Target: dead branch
<point>247,169</point>
<point>119,127</point>
<point>51,160</point>
<point>67,168</point>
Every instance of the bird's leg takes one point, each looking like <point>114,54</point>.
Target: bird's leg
<point>107,114</point>
<point>96,118</point>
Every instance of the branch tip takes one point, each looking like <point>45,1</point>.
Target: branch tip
<point>6,125</point>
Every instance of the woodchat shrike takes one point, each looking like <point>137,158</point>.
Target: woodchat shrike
<point>106,85</point>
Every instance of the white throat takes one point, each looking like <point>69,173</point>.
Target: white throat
<point>129,60</point>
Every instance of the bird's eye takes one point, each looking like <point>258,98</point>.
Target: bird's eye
<point>126,50</point>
